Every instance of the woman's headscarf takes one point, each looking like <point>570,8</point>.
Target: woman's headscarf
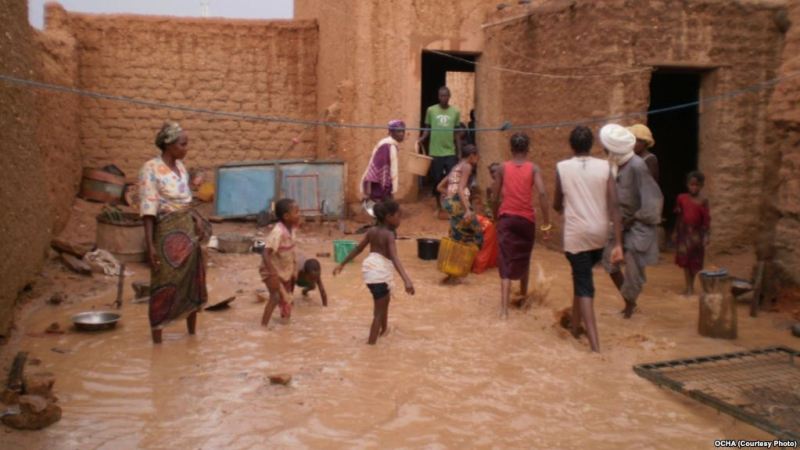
<point>396,124</point>
<point>168,134</point>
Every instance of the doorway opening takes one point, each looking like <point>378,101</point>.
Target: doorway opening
<point>456,70</point>
<point>677,133</point>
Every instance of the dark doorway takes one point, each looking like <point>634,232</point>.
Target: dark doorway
<point>676,132</point>
<point>447,68</point>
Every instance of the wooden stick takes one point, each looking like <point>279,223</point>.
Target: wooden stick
<point>757,289</point>
<point>15,381</point>
<point>118,301</point>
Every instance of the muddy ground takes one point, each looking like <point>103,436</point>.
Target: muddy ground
<point>449,374</point>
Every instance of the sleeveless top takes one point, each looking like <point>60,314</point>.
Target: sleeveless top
<point>584,182</point>
<point>517,190</point>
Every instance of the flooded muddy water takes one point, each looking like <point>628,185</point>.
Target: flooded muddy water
<point>449,374</point>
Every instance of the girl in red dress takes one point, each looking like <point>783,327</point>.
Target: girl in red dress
<point>692,228</point>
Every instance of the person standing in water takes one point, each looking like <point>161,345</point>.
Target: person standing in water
<point>445,142</point>
<point>278,262</point>
<point>516,220</point>
<point>173,234</point>
<point>587,197</point>
<point>692,228</point>
<point>640,202</point>
<point>378,268</point>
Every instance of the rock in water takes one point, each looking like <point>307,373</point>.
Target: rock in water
<point>35,414</point>
<point>281,378</point>
<point>32,404</point>
<point>76,265</point>
<point>57,298</point>
<point>40,384</point>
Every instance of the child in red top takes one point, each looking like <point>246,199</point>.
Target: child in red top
<point>513,190</point>
<point>692,228</point>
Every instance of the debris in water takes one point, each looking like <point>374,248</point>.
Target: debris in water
<point>225,304</point>
<point>57,298</point>
<point>54,328</point>
<point>281,378</point>
<point>76,265</point>
<point>35,413</point>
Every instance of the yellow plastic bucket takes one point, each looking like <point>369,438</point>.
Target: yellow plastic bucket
<point>455,259</point>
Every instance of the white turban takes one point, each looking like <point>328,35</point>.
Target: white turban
<point>619,142</point>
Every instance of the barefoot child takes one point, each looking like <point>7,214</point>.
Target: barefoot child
<point>278,265</point>
<point>516,222</point>
<point>378,267</point>
<point>309,277</point>
<point>692,228</point>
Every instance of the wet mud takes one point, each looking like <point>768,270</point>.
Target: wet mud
<point>448,374</point>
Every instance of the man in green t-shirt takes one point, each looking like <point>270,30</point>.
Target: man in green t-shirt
<point>444,145</point>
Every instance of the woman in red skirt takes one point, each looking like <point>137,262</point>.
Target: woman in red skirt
<point>516,223</point>
<point>692,228</point>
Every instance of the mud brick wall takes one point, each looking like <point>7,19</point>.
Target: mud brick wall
<point>25,227</point>
<point>265,68</point>
<point>738,43</point>
<point>370,68</point>
<point>57,131</point>
<point>784,111</point>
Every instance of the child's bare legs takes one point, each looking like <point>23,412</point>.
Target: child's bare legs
<point>274,300</point>
<point>587,312</point>
<point>378,319</point>
<point>385,319</point>
<point>191,322</point>
<point>689,277</point>
<point>156,335</point>
<point>505,293</point>
<point>575,322</point>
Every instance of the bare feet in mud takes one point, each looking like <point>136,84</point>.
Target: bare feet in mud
<point>630,308</point>
<point>565,320</point>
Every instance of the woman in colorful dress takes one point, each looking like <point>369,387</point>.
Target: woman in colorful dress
<point>455,192</point>
<point>464,226</point>
<point>173,234</point>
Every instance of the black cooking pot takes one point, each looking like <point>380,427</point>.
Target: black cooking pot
<point>427,249</point>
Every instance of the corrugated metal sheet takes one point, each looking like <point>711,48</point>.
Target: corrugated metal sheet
<point>247,188</point>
